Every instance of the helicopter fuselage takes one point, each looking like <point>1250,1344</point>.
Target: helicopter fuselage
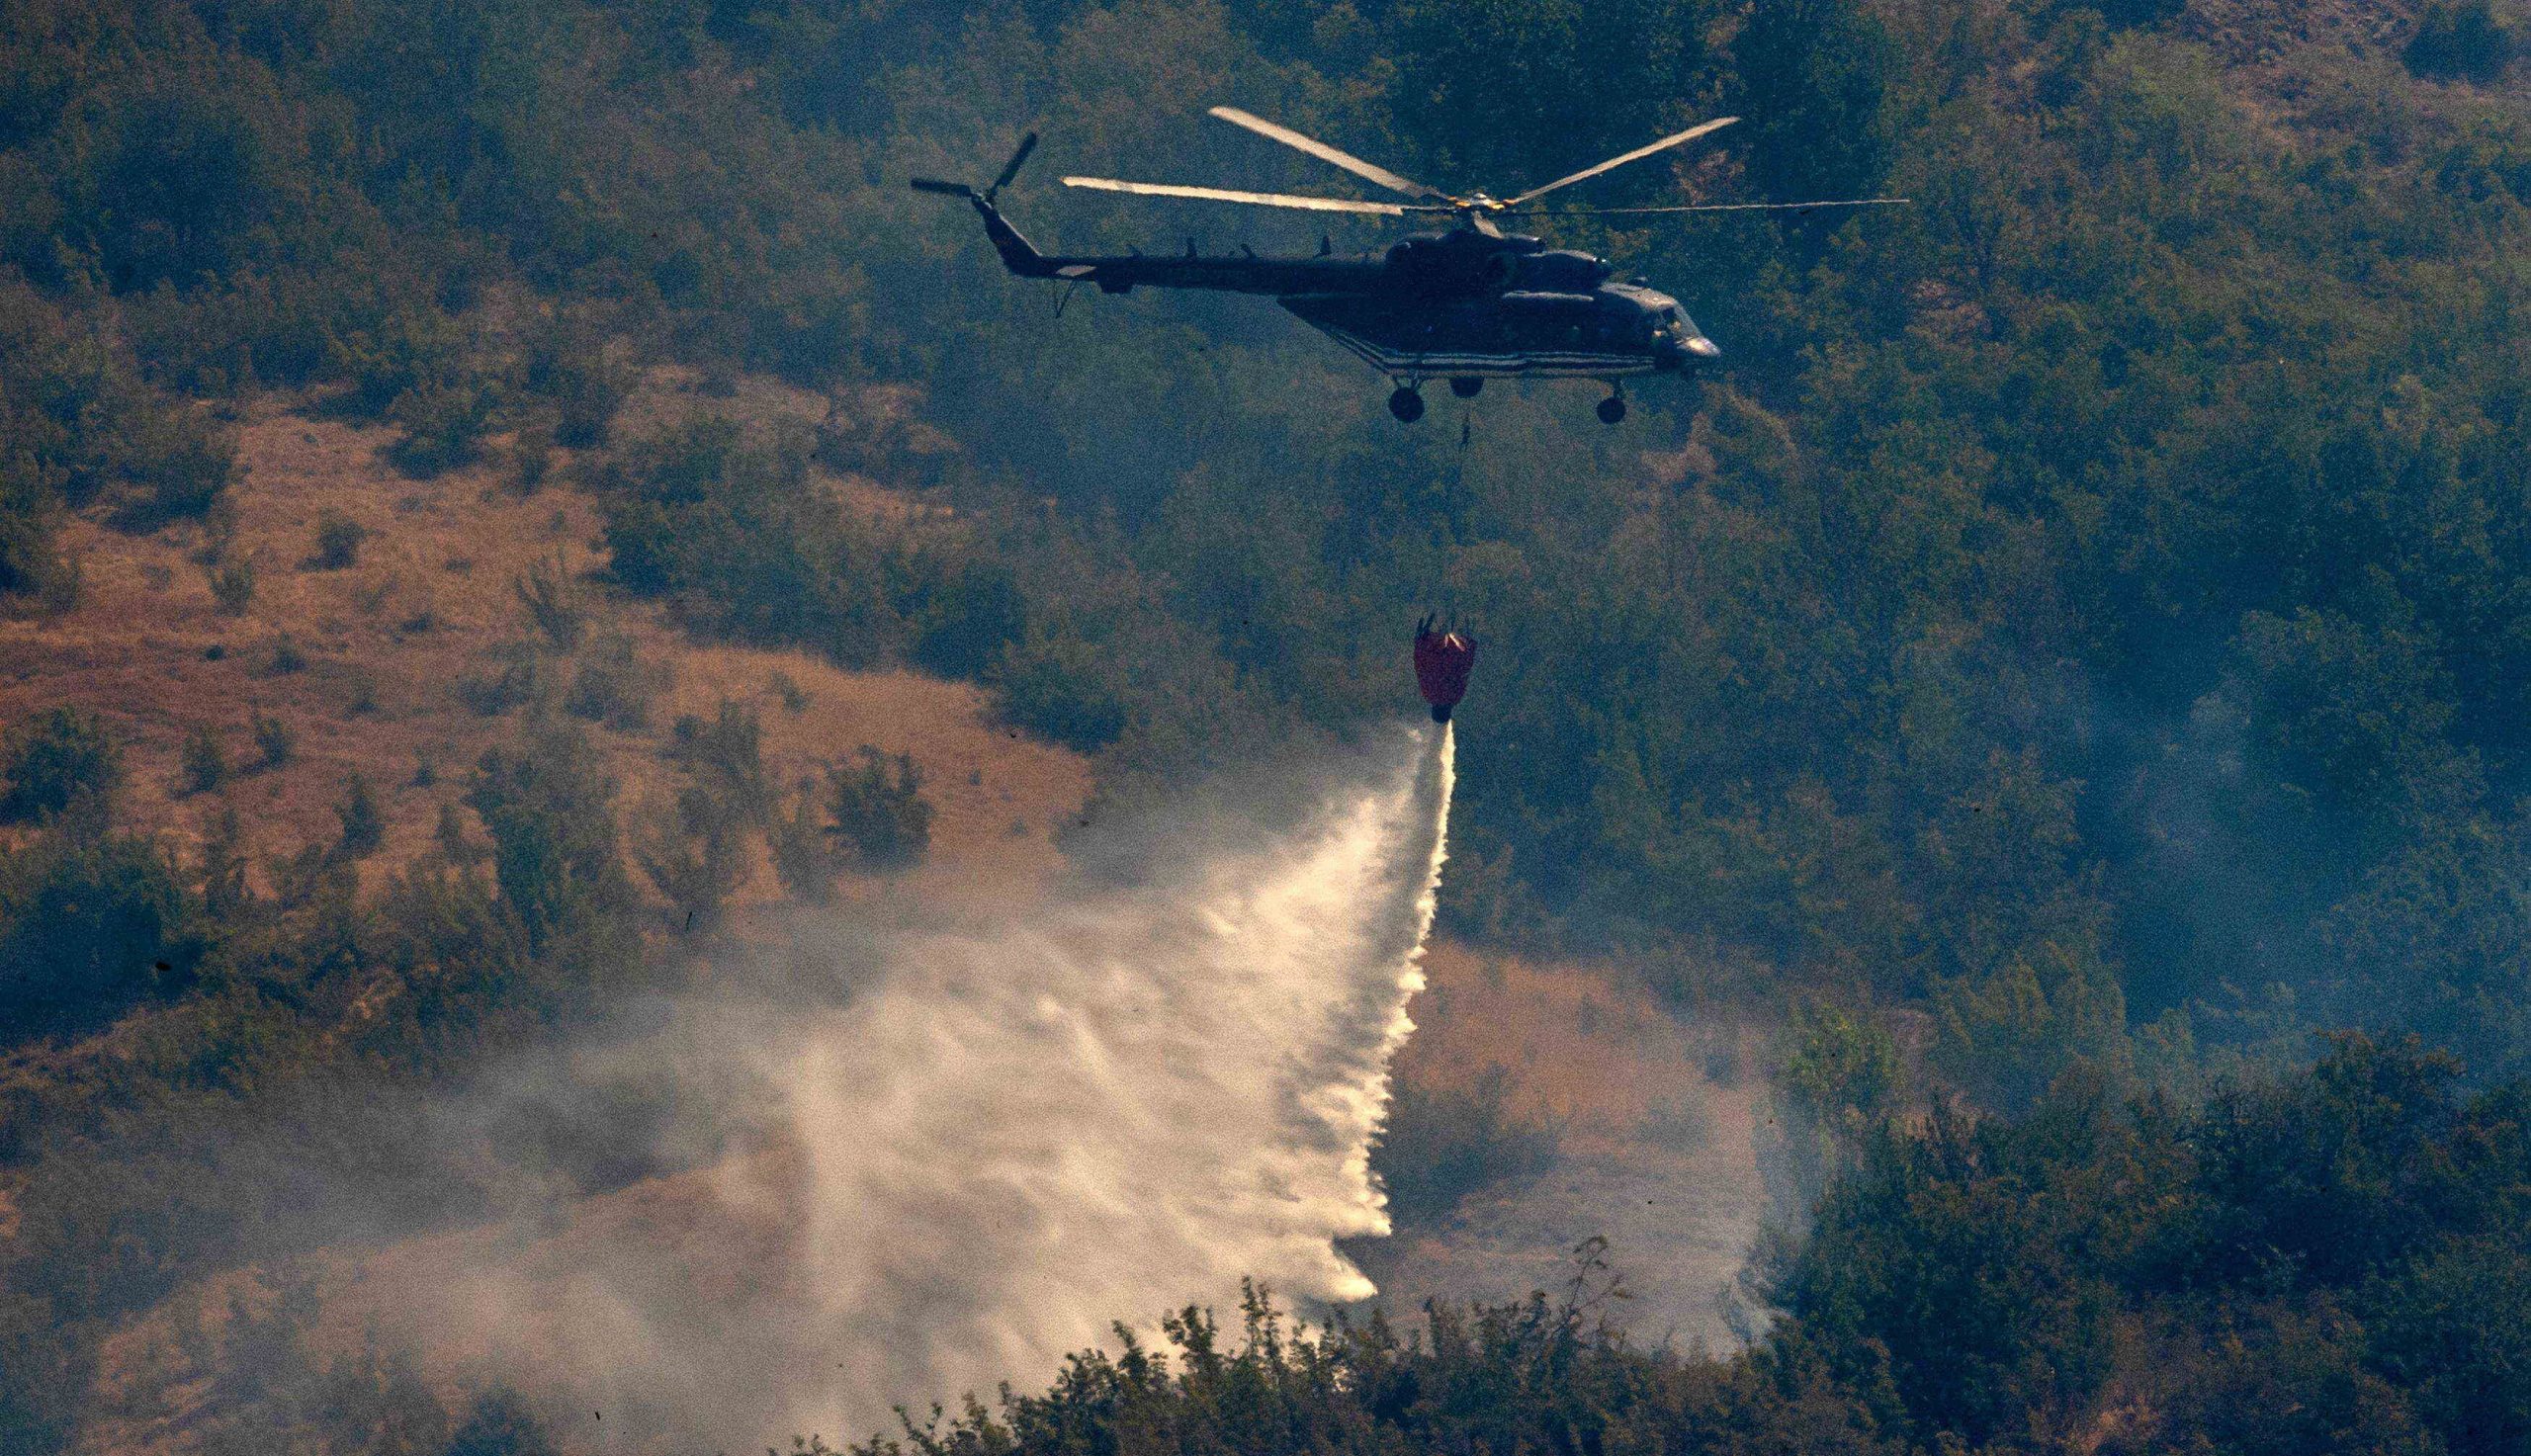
<point>1467,304</point>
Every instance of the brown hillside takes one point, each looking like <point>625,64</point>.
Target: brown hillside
<point>388,642</point>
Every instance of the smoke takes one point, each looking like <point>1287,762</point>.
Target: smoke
<point>957,1153</point>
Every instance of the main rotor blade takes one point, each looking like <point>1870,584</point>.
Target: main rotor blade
<point>1861,201</point>
<point>1636,156</point>
<point>1253,199</point>
<point>1324,152</point>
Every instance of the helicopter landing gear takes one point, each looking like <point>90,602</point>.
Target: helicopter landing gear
<point>1613,409</point>
<point>1466,386</point>
<point>1406,405</point>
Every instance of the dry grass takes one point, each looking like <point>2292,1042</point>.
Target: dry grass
<point>387,640</point>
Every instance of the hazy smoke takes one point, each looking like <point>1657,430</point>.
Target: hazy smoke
<point>1005,1139</point>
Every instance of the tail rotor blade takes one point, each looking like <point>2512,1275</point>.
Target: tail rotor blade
<point>1613,163</point>
<point>1018,159</point>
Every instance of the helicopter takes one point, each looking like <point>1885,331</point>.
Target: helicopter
<point>1468,302</point>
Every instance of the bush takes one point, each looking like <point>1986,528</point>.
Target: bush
<point>696,854</point>
<point>286,657</point>
<point>182,461</point>
<point>364,823</point>
<point>552,601</point>
<point>275,742</point>
<point>1439,1148</point>
<point>520,676</point>
<point>728,753</point>
<point>881,815</point>
<point>803,854</point>
<point>548,808</point>
<point>89,923</point>
<point>500,1423</point>
<point>233,588</point>
<point>338,541</point>
<point>615,685</point>
<point>571,364</point>
<point>1061,686</point>
<point>206,760</point>
<point>54,759</point>
<point>444,427</point>
<point>2462,41</point>
<point>409,350</point>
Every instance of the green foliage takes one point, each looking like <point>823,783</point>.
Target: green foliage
<point>878,812</point>
<point>233,586</point>
<point>2269,1265</point>
<point>1441,1147</point>
<point>276,742</point>
<point>725,751</point>
<point>549,814</point>
<point>444,425</point>
<point>804,857</point>
<point>364,822</point>
<point>55,759</point>
<point>205,759</point>
<point>552,602</point>
<point>2462,41</point>
<point>500,1423</point>
<point>339,539</point>
<point>90,922</point>
<point>739,537</point>
<point>614,684</point>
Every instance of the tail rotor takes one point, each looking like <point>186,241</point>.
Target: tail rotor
<point>1010,169</point>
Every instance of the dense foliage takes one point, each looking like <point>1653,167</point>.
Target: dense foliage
<point>2331,1263</point>
<point>2093,598</point>
<point>2091,609</point>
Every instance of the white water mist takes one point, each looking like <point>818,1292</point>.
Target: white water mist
<point>1116,1104</point>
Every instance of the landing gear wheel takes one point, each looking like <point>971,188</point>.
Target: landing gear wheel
<point>1406,405</point>
<point>1613,409</point>
<point>1466,386</point>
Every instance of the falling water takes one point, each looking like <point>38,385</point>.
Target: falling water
<point>1110,1106</point>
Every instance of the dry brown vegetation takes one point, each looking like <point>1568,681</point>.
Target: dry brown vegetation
<point>431,599</point>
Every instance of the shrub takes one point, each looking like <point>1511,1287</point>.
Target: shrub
<point>409,350</point>
<point>275,742</point>
<point>500,1423</point>
<point>880,813</point>
<point>1061,686</point>
<point>338,541</point>
<point>1441,1147</point>
<point>206,760</point>
<point>727,750</point>
<point>444,426</point>
<point>547,807</point>
<point>364,823</point>
<point>519,676</point>
<point>554,602</point>
<point>89,922</point>
<point>696,854</point>
<point>182,461</point>
<point>2460,42</point>
<point>286,657</point>
<point>233,588</point>
<point>795,698</point>
<point>804,856</point>
<point>569,363</point>
<point>61,755</point>
<point>615,685</point>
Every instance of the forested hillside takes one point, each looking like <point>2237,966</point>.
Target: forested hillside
<point>2089,612</point>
